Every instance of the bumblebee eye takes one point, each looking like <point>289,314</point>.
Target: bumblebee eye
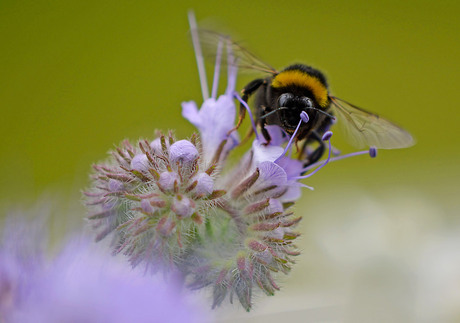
<point>307,102</point>
<point>285,98</point>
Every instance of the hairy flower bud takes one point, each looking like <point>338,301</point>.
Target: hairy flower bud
<point>204,184</point>
<point>140,163</point>
<point>168,180</point>
<point>183,206</point>
<point>183,151</point>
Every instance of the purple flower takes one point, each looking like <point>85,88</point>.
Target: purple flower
<point>21,262</point>
<point>177,205</point>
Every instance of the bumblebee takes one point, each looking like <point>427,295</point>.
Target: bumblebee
<point>280,97</point>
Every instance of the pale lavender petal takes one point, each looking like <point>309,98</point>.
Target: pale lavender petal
<point>265,153</point>
<point>232,141</point>
<point>277,135</point>
<point>293,193</point>
<point>190,112</point>
<point>214,120</point>
<point>271,174</point>
<point>292,167</point>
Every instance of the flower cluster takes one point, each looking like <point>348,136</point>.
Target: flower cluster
<point>176,205</point>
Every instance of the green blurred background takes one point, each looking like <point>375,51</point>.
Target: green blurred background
<point>78,77</point>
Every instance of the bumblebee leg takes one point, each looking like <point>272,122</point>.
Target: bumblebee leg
<point>247,91</point>
<point>316,154</point>
<point>265,132</point>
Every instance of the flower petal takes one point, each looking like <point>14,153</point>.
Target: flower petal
<point>190,112</point>
<point>277,135</point>
<point>265,152</point>
<point>271,174</point>
<point>292,167</point>
<point>214,120</point>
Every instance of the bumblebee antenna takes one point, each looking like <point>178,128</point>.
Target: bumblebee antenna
<point>271,112</point>
<point>285,108</point>
<point>324,112</point>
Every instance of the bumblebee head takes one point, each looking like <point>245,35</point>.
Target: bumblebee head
<point>290,107</point>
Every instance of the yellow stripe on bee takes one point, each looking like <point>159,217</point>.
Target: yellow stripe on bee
<point>302,79</point>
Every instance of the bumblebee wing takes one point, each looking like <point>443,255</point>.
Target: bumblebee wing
<point>242,58</point>
<point>365,129</point>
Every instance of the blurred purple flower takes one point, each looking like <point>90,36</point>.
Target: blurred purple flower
<point>83,285</point>
<point>21,261</point>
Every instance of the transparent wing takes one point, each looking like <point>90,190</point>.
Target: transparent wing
<point>243,58</point>
<point>365,129</point>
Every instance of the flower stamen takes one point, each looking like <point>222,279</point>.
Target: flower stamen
<point>232,70</point>
<point>248,109</point>
<point>327,136</point>
<point>215,83</point>
<point>372,151</point>
<point>198,55</point>
<point>303,118</point>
